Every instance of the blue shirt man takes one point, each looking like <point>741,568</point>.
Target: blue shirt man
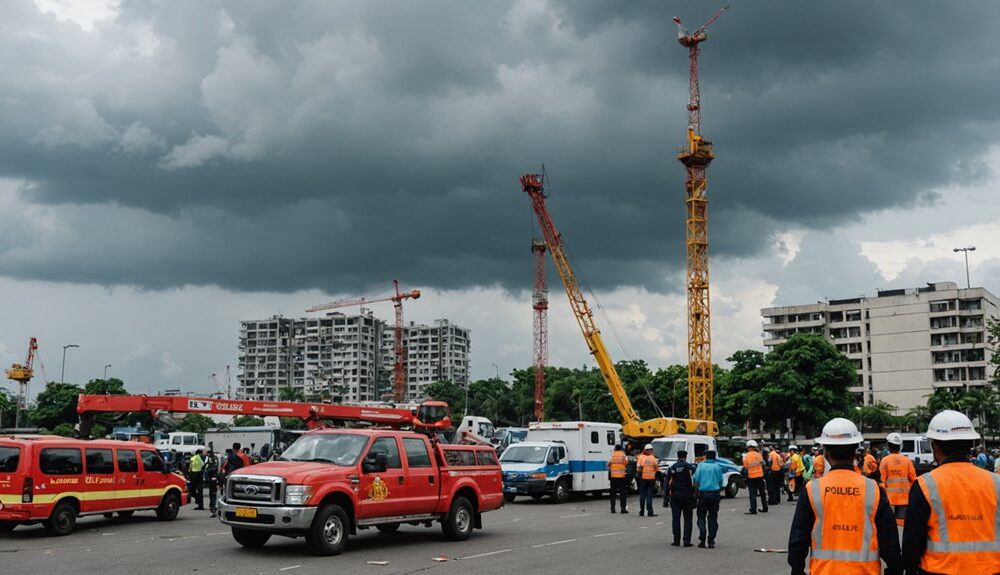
<point>708,483</point>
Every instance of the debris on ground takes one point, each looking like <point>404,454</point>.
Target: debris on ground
<point>378,563</point>
<point>770,550</point>
<point>439,559</point>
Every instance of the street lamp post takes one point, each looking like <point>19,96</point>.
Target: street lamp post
<point>62,373</point>
<point>106,371</point>
<point>968,282</point>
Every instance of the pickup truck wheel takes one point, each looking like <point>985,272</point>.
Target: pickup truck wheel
<point>63,519</point>
<point>250,538</point>
<point>458,525</point>
<point>561,491</point>
<point>732,488</point>
<point>509,497</point>
<point>6,526</point>
<point>169,506</point>
<point>328,533</point>
<point>387,527</point>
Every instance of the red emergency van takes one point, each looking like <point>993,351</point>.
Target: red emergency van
<point>53,480</point>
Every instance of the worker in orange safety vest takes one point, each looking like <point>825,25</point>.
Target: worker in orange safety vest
<point>898,475</point>
<point>774,477</point>
<point>753,462</point>
<point>647,466</point>
<point>953,510</point>
<point>819,464</point>
<point>844,524</point>
<point>616,472</point>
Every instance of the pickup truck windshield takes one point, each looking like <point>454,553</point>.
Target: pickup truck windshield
<point>337,448</point>
<point>667,449</point>
<point>524,454</point>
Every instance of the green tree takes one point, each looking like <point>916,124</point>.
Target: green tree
<point>448,392</point>
<point>110,386</point>
<point>292,423</point>
<point>99,431</point>
<point>876,417</point>
<point>993,343</point>
<point>196,423</point>
<point>8,410</point>
<point>291,394</point>
<point>247,421</point>
<point>56,404</point>
<point>64,429</point>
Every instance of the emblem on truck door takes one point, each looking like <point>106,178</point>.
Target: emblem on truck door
<point>378,490</point>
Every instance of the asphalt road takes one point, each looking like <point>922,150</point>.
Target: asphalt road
<point>527,536</point>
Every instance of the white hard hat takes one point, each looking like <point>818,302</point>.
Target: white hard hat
<point>648,446</point>
<point>793,446</point>
<point>752,443</point>
<point>951,425</point>
<point>894,438</point>
<point>840,431</point>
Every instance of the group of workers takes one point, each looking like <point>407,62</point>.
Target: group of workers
<point>686,488</point>
<point>205,469</point>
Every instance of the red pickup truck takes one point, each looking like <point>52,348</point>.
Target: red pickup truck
<point>330,483</point>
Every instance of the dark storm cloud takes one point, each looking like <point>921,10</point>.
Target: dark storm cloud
<point>288,145</point>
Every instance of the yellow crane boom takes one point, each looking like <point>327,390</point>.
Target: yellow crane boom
<point>632,425</point>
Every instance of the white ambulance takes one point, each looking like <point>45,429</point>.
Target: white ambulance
<point>560,458</point>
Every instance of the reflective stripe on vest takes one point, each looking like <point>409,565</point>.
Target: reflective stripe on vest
<point>863,555</point>
<point>944,544</point>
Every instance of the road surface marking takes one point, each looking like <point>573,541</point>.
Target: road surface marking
<point>487,554</point>
<point>574,516</point>
<point>659,523</point>
<point>644,527</point>
<point>610,534</point>
<point>553,543</point>
<point>289,568</point>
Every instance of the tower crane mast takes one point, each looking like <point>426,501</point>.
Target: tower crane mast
<point>632,425</point>
<point>399,373</point>
<point>696,157</point>
<point>540,305</point>
<point>22,374</point>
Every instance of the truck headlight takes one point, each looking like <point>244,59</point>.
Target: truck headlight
<point>298,494</point>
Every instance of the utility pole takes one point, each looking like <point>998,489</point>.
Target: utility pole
<point>106,371</point>
<point>968,282</point>
<point>62,372</point>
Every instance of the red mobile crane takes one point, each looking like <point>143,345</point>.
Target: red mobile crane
<point>399,374</point>
<point>429,417</point>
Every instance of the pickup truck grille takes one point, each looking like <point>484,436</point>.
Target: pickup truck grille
<point>259,489</point>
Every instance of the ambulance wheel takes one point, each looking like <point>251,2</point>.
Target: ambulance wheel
<point>250,538</point>
<point>509,497</point>
<point>732,488</point>
<point>387,527</point>
<point>63,519</point>
<point>561,492</point>
<point>459,523</point>
<point>169,506</point>
<point>6,526</point>
<point>328,533</point>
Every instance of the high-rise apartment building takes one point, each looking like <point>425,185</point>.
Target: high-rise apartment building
<point>345,358</point>
<point>438,352</point>
<point>904,343</point>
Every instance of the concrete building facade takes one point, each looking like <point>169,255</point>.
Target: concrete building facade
<point>904,343</point>
<point>438,352</point>
<point>345,358</point>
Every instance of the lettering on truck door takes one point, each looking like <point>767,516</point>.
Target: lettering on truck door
<point>127,488</point>
<point>422,476</point>
<point>383,493</point>
<point>99,480</point>
<point>62,470</point>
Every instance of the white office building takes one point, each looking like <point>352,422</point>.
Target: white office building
<point>904,343</point>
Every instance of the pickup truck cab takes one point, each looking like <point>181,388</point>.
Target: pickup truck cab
<point>666,448</point>
<point>331,483</point>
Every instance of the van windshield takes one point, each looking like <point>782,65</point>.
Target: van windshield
<point>667,449</point>
<point>518,436</point>
<point>524,454</point>
<point>337,448</point>
<point>9,456</point>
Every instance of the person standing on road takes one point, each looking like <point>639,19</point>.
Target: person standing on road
<point>898,475</point>
<point>679,485</point>
<point>616,472</point>
<point>774,477</point>
<point>211,479</point>
<point>952,513</point>
<point>869,464</point>
<point>647,467</point>
<point>819,463</point>
<point>707,481</point>
<point>844,524</point>
<point>195,468</point>
<point>233,460</point>
<point>795,470</point>
<point>753,462</point>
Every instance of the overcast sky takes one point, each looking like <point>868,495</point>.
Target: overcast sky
<point>169,168</point>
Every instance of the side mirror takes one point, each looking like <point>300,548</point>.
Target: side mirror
<point>375,463</point>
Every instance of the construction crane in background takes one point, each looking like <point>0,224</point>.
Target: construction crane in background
<point>22,374</point>
<point>696,157</point>
<point>399,373</point>
<point>632,425</point>
<point>540,303</point>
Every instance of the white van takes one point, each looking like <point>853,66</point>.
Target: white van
<point>917,448</point>
<point>180,441</point>
<point>560,458</point>
<point>666,448</point>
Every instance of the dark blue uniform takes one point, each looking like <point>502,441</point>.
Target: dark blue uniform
<point>680,489</point>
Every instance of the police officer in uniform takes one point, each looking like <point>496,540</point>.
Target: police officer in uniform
<point>679,486</point>
<point>951,518</point>
<point>843,523</point>
<point>616,472</point>
<point>212,479</point>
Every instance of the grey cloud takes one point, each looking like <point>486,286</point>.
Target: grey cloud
<point>335,144</point>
